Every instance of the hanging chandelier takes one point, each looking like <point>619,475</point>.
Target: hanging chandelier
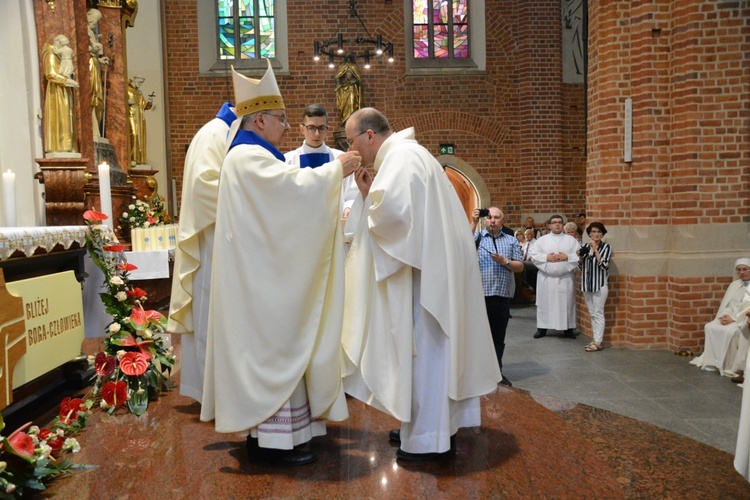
<point>358,48</point>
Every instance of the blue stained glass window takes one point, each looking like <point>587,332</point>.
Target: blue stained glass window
<point>246,29</point>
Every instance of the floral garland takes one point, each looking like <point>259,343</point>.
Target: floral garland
<point>32,456</point>
<point>137,358</point>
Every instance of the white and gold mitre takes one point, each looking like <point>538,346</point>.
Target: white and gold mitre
<point>253,95</point>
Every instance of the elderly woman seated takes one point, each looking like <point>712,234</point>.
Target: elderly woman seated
<point>722,334</point>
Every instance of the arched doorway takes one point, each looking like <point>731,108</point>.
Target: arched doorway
<point>471,189</point>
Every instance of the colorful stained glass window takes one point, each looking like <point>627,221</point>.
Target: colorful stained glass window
<point>247,25</point>
<point>441,29</point>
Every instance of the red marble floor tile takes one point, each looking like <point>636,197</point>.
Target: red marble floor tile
<point>523,449</point>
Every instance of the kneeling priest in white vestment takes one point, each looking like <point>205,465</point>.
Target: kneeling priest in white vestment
<point>274,339</point>
<point>416,334</point>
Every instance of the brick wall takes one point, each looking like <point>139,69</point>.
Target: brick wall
<point>682,63</point>
<point>515,144</point>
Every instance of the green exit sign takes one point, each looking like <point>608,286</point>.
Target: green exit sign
<point>447,149</point>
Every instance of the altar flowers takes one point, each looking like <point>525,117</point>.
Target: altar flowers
<point>137,359</point>
<point>31,457</point>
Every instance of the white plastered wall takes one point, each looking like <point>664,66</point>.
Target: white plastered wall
<point>20,102</point>
<point>145,49</point>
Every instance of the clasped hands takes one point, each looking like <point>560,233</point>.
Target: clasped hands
<point>726,319</point>
<point>557,257</point>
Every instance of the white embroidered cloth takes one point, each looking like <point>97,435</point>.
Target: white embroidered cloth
<point>29,239</point>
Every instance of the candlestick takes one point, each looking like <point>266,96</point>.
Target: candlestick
<point>105,193</point>
<point>9,198</point>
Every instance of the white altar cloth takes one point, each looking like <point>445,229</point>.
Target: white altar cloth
<point>153,264</point>
<point>29,239</point>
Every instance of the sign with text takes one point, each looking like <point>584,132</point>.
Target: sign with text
<point>53,317</point>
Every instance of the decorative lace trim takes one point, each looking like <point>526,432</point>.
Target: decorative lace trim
<point>29,239</point>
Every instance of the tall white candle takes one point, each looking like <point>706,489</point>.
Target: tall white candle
<point>9,198</point>
<point>105,193</point>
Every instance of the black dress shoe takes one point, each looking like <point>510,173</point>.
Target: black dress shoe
<point>285,457</point>
<point>539,334</point>
<point>571,334</point>
<point>505,381</point>
<point>279,457</point>
<point>395,435</point>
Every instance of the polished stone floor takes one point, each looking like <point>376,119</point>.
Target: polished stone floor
<point>536,440</point>
<point>652,386</point>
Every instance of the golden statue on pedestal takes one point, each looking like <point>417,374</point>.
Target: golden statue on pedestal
<point>348,89</point>
<point>137,105</point>
<point>59,109</point>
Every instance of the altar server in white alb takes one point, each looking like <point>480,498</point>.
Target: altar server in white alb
<point>314,152</point>
<point>416,335</point>
<point>274,338</point>
<point>556,257</point>
<point>188,309</point>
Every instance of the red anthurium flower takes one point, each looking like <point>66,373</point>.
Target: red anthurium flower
<point>142,345</point>
<point>45,433</point>
<point>134,363</point>
<point>150,219</point>
<point>127,266</point>
<point>104,364</point>
<point>136,293</point>
<point>115,393</point>
<point>156,317</point>
<point>22,444</point>
<point>94,216</point>
<point>113,248</point>
<point>138,317</point>
<point>69,408</point>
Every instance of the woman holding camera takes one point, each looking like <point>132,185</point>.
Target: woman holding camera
<point>594,263</point>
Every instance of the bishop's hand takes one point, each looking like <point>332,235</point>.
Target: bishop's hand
<point>351,162</point>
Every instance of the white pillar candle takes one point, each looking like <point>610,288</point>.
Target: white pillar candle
<point>9,198</point>
<point>105,193</point>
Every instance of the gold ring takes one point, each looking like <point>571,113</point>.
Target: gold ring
<point>359,163</point>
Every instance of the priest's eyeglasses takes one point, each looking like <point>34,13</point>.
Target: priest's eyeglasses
<point>281,118</point>
<point>350,141</point>
<point>312,128</point>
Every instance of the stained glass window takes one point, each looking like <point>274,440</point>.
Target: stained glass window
<point>441,29</point>
<point>246,29</point>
